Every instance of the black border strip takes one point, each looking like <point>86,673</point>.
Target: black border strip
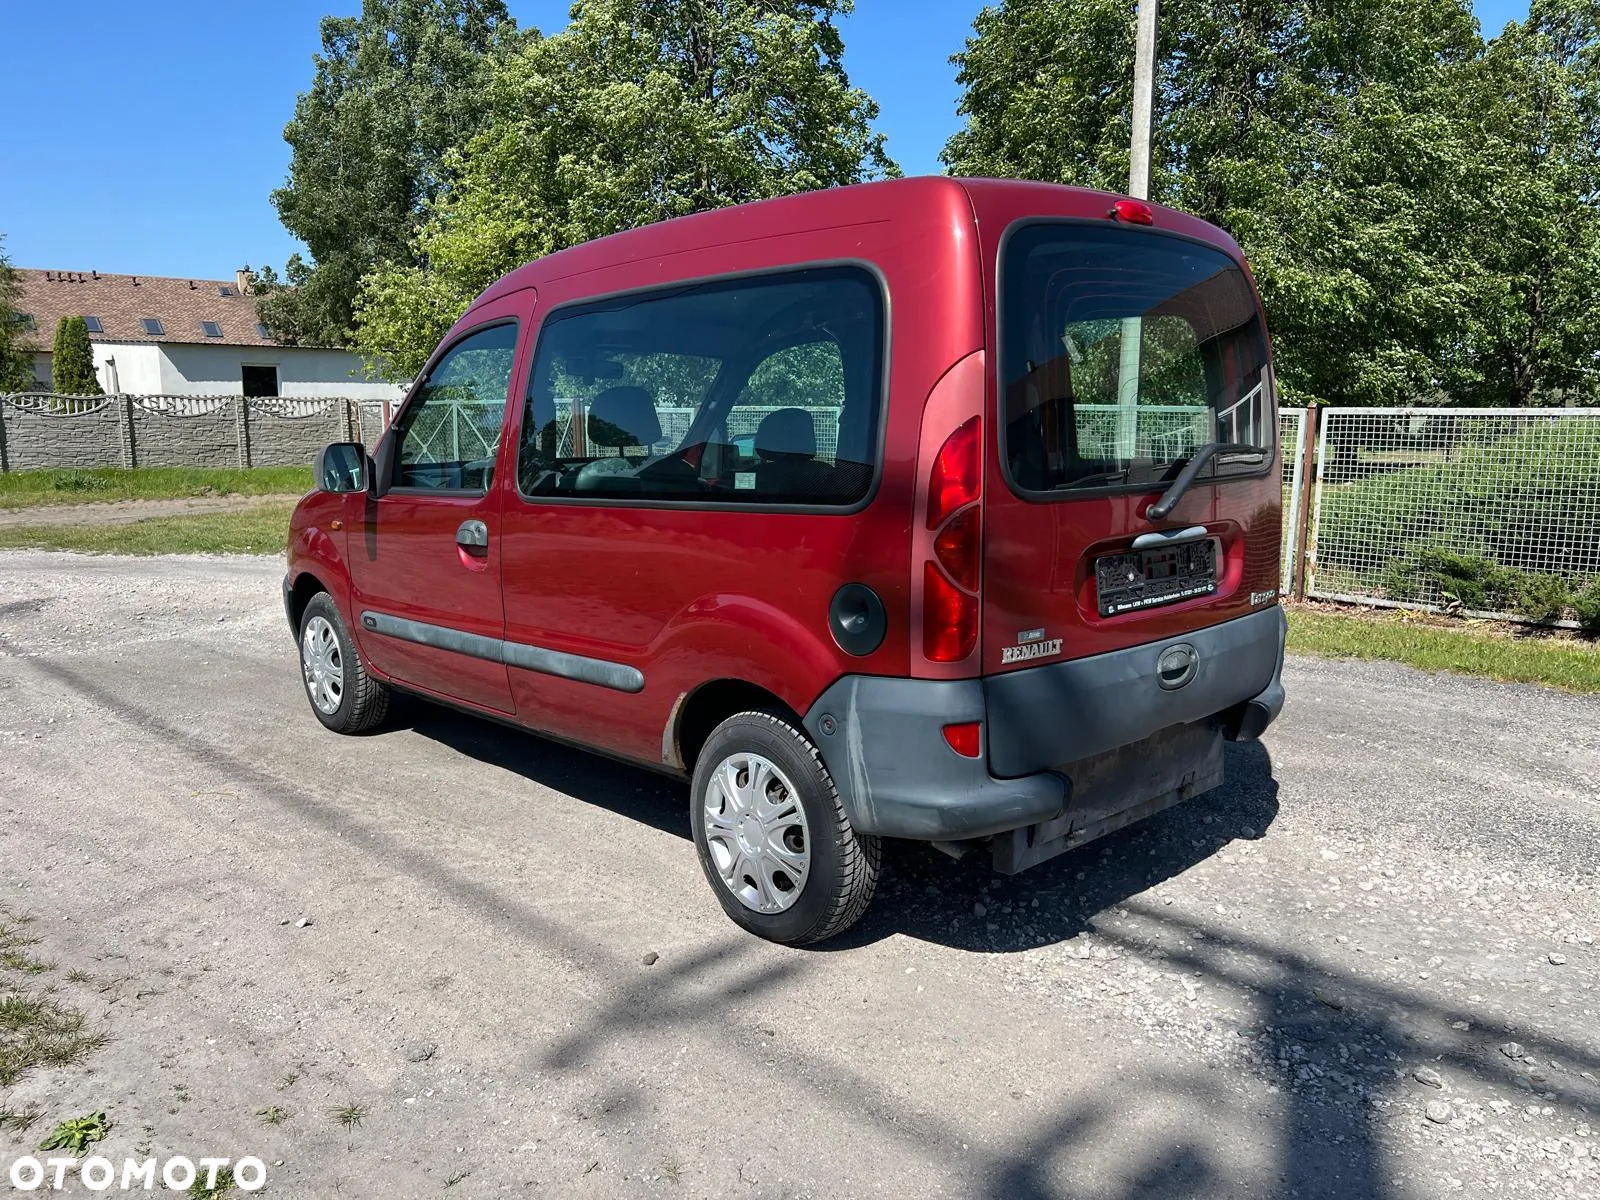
<point>598,671</point>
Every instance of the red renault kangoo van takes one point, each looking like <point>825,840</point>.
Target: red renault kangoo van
<point>938,509</point>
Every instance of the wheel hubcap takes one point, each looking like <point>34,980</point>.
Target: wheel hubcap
<point>323,665</point>
<point>756,833</point>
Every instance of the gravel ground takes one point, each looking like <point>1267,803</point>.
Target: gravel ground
<point>126,512</point>
<point>1364,968</point>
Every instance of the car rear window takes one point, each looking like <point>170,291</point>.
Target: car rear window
<point>759,390</point>
<point>1122,353</point>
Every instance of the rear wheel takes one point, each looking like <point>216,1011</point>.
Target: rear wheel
<point>343,695</point>
<point>774,841</point>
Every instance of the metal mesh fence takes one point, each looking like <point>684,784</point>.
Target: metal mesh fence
<point>1292,438</point>
<point>1492,511</point>
<point>741,422</point>
<point>455,431</point>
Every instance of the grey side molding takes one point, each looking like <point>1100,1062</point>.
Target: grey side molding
<point>619,677</point>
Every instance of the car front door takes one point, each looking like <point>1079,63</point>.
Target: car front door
<point>425,558</point>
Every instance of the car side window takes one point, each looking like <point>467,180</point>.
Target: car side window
<point>765,390</point>
<point>448,436</point>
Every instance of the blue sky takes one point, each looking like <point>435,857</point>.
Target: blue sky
<point>145,138</point>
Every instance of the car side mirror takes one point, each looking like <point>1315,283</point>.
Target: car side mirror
<point>341,467</point>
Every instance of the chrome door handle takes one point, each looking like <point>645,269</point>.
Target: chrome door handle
<point>473,535</point>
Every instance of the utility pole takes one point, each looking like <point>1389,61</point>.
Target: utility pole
<point>1144,90</point>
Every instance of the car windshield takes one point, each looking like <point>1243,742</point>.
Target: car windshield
<point>1123,353</point>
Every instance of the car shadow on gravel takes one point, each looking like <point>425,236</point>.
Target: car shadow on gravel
<point>627,790</point>
<point>923,893</point>
<point>968,905</point>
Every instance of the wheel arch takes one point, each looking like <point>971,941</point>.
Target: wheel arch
<point>700,711</point>
<point>305,585</point>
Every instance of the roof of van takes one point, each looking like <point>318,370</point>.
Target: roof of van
<point>854,204</point>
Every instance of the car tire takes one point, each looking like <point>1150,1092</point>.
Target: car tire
<point>761,795</point>
<point>343,695</point>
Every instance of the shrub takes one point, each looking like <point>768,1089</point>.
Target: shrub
<point>1586,606</point>
<point>72,360</point>
<point>1513,499</point>
<point>1439,576</point>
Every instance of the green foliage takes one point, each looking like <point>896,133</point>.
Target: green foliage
<point>77,1134</point>
<point>16,366</point>
<point>1499,501</point>
<point>1476,584</point>
<point>635,113</point>
<point>1418,205</point>
<point>72,360</point>
<point>395,90</point>
<point>1586,607</point>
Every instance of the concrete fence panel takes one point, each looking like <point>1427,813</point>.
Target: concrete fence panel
<point>39,431</point>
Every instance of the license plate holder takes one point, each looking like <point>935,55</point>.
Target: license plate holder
<point>1134,580</point>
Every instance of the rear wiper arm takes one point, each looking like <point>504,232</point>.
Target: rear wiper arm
<point>1191,471</point>
<point>1090,480</point>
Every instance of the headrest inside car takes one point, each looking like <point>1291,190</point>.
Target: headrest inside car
<point>624,416</point>
<point>787,433</point>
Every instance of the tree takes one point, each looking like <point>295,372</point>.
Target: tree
<point>638,111</point>
<point>1378,163</point>
<point>72,360</point>
<point>1534,103</point>
<point>16,365</point>
<point>395,90</point>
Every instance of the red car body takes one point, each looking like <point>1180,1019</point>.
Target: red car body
<point>701,611</point>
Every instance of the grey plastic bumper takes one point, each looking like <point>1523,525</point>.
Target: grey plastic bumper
<point>882,739</point>
<point>898,778</point>
<point>288,607</point>
<point>1045,716</point>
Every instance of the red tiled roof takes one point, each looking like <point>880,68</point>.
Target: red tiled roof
<point>122,302</point>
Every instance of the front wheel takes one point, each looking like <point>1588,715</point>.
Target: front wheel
<point>773,839</point>
<point>343,695</point>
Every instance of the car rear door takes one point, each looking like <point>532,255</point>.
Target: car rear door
<point>1124,351</point>
<point>425,557</point>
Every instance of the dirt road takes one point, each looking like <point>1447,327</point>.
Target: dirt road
<point>126,512</point>
<point>1306,984</point>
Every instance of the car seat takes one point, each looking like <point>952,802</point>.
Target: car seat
<point>619,418</point>
<point>786,451</point>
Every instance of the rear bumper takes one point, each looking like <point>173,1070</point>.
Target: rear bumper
<point>882,739</point>
<point>288,607</point>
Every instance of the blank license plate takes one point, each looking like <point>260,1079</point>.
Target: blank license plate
<point>1150,578</point>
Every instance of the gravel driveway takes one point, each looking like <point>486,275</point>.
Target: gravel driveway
<point>1364,968</point>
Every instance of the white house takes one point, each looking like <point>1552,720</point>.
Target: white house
<point>183,337</point>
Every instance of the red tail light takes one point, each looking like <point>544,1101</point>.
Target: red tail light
<point>951,577</point>
<point>965,739</point>
<point>959,544</point>
<point>949,618</point>
<point>957,473</point>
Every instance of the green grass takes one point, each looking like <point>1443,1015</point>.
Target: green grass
<point>219,1188</point>
<point>28,489</point>
<point>1572,664</point>
<point>36,1030</point>
<point>262,529</point>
